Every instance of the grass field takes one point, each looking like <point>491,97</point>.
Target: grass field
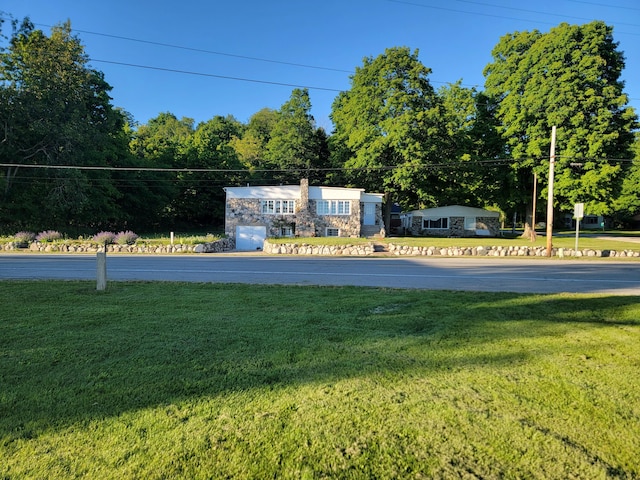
<point>160,380</point>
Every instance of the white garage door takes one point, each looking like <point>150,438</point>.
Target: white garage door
<point>250,238</point>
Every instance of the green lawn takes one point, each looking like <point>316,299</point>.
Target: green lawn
<point>162,380</point>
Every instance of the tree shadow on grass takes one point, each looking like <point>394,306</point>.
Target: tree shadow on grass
<point>75,355</point>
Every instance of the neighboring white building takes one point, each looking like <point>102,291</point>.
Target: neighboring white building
<point>254,213</point>
<point>452,221</point>
<point>588,222</point>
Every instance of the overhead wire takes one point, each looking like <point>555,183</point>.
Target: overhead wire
<point>546,14</point>
<point>604,5</point>
<point>213,75</point>
<point>455,164</point>
<point>492,15</point>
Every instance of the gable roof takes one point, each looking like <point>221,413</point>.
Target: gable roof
<point>454,211</point>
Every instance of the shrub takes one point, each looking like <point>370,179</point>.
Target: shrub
<point>104,238</point>
<point>48,236</point>
<point>23,239</point>
<point>126,238</point>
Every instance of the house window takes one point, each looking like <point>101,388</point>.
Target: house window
<point>278,207</point>
<point>469,223</point>
<point>333,232</point>
<point>590,220</point>
<point>435,223</point>
<point>286,231</point>
<point>334,207</point>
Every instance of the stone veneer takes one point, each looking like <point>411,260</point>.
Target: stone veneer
<point>305,222</point>
<point>456,227</point>
<point>247,211</point>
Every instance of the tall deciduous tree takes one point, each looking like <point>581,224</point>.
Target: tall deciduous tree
<point>294,146</point>
<point>200,200</point>
<point>55,110</point>
<point>251,144</point>
<point>474,174</point>
<point>628,204</point>
<point>568,77</point>
<point>391,124</point>
<point>161,143</point>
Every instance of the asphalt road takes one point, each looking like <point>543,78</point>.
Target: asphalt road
<point>471,274</point>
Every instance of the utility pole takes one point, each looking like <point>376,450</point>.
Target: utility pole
<point>552,163</point>
<point>533,212</point>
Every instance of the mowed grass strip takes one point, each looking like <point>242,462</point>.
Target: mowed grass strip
<point>170,380</point>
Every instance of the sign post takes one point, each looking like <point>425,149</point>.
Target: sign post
<point>578,214</point>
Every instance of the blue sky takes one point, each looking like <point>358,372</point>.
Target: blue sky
<point>244,55</point>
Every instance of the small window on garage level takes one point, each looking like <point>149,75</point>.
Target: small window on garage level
<point>333,232</point>
<point>435,223</point>
<point>286,231</point>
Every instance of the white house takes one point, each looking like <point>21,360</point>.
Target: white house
<point>253,213</point>
<point>452,221</point>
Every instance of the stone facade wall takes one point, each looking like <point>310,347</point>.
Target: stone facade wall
<point>348,225</point>
<point>456,227</point>
<point>247,211</point>
<point>305,222</point>
<point>489,223</point>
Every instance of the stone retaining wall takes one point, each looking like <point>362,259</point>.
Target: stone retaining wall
<point>511,251</point>
<point>228,244</point>
<point>306,249</point>
<point>222,245</point>
<point>404,250</point>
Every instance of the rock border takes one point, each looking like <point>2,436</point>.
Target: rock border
<point>406,250</point>
<point>222,245</point>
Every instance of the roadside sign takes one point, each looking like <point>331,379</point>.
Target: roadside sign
<point>578,211</point>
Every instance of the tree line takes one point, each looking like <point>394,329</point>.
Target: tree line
<point>73,161</point>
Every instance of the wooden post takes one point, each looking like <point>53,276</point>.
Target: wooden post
<point>102,270</point>
<point>552,162</point>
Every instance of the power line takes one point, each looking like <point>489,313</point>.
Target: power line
<point>546,14</point>
<point>605,5</point>
<point>212,75</point>
<point>201,50</point>
<point>422,5</point>
<point>496,161</point>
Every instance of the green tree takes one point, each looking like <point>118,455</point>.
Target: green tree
<point>474,174</point>
<point>295,146</point>
<point>568,77</point>
<point>200,200</point>
<point>390,123</point>
<point>55,110</point>
<point>251,144</point>
<point>628,204</point>
<point>159,144</point>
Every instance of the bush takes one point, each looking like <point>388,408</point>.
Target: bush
<point>48,236</point>
<point>126,238</point>
<point>104,238</point>
<point>23,239</point>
